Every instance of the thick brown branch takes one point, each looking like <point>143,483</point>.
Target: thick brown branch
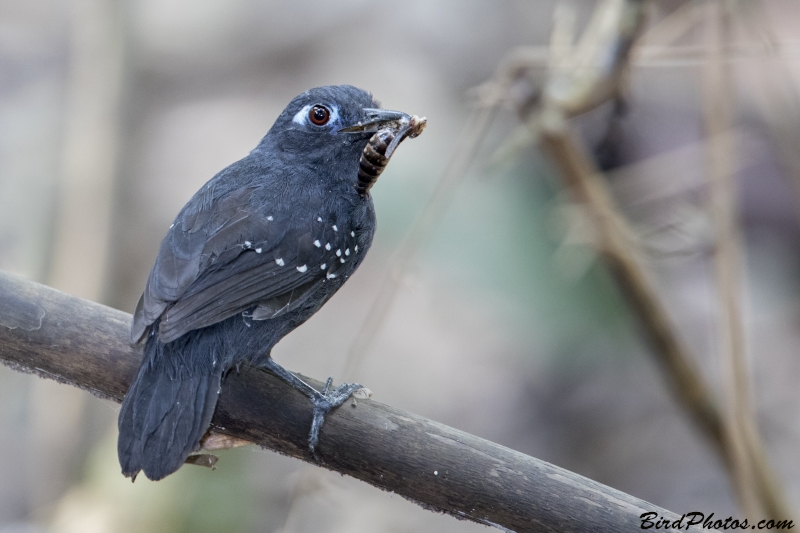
<point>84,344</point>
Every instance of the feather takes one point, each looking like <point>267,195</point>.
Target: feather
<point>168,407</point>
<point>211,267</point>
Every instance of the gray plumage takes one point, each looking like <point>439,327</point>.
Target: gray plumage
<point>255,252</point>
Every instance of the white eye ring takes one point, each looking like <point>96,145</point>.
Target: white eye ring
<point>302,116</point>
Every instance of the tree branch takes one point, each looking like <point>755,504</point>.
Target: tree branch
<point>84,344</point>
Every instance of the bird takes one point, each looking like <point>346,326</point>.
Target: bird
<point>252,255</point>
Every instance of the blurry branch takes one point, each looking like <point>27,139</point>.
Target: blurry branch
<point>80,343</point>
<point>592,72</point>
<point>594,75</point>
<point>717,108</point>
<point>754,482</point>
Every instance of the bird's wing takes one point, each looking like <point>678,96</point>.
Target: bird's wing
<point>221,258</point>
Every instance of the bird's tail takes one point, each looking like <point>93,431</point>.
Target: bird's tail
<point>169,405</point>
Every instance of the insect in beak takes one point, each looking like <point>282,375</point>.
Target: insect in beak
<point>381,146</point>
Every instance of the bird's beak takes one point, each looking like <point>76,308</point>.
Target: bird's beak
<point>374,119</point>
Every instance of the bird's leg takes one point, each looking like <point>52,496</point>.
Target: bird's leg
<point>323,401</point>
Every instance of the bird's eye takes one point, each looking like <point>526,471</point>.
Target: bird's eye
<point>319,115</point>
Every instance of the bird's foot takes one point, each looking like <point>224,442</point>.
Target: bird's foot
<point>325,401</point>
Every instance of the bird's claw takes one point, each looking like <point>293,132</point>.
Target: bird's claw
<point>323,402</point>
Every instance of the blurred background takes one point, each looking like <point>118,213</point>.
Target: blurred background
<point>506,325</point>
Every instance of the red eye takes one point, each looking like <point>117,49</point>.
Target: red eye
<point>319,115</point>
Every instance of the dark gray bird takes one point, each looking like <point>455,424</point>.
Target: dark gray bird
<point>256,251</point>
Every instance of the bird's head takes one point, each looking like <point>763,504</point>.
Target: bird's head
<point>331,122</point>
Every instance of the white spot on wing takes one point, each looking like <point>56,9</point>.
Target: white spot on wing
<point>323,266</point>
<point>279,261</point>
<point>339,253</point>
<point>335,228</point>
<point>258,250</point>
<point>330,276</point>
<point>342,259</point>
<point>356,247</point>
<point>352,233</point>
<point>327,246</point>
<point>302,268</point>
<point>347,252</point>
<point>270,218</point>
<point>317,244</point>
<point>247,244</point>
<point>319,219</point>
